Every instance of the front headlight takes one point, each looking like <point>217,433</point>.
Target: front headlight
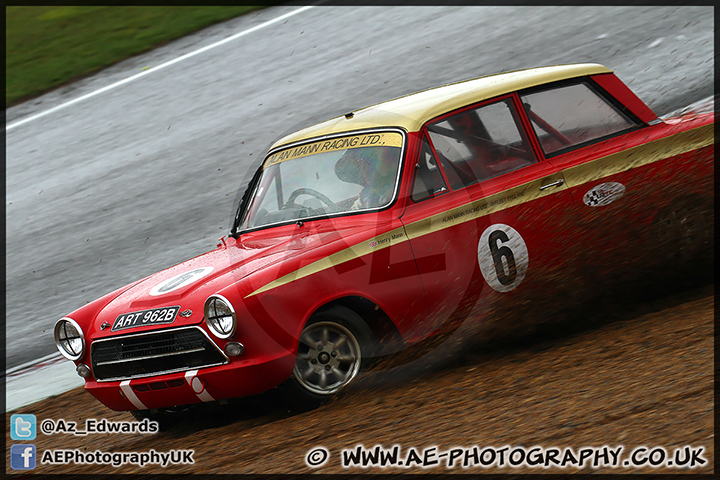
<point>220,316</point>
<point>69,338</point>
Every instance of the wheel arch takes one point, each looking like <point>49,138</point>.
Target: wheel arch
<point>384,331</point>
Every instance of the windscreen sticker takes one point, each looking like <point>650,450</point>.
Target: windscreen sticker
<point>179,281</point>
<point>503,257</point>
<point>379,139</point>
<point>603,194</point>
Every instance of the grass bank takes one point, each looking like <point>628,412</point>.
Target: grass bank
<point>48,46</point>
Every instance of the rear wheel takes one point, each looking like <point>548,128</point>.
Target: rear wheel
<point>683,240</point>
<point>332,348</point>
<point>686,230</point>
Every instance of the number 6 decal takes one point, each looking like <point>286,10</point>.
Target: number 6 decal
<point>503,257</point>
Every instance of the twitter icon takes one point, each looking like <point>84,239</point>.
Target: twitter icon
<point>23,427</point>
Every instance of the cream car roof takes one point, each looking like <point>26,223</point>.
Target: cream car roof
<point>411,111</point>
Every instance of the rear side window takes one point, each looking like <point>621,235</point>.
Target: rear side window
<point>572,115</point>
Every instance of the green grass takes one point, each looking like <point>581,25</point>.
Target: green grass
<point>49,46</point>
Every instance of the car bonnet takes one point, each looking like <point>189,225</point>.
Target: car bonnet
<point>188,284</point>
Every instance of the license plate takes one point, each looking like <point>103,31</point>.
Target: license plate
<point>145,318</point>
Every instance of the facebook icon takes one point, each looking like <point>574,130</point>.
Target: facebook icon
<point>23,457</point>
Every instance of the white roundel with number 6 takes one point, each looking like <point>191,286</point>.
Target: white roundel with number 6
<point>503,257</point>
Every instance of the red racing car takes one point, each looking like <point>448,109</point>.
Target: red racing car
<point>385,227</point>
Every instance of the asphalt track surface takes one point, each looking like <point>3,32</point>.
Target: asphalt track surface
<point>145,175</point>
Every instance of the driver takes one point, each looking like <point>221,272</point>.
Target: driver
<point>374,168</point>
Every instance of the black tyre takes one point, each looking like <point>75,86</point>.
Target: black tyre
<point>333,347</point>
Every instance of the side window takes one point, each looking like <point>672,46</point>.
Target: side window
<point>478,144</point>
<point>571,115</point>
<point>428,179</point>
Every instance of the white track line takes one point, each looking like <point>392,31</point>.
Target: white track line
<point>155,69</point>
<point>32,363</point>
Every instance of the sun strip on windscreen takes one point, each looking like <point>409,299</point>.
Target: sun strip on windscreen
<point>376,139</point>
<point>594,170</point>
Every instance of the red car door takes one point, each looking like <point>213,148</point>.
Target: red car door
<point>486,220</point>
<point>635,186</point>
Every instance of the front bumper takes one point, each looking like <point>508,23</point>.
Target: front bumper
<point>236,379</point>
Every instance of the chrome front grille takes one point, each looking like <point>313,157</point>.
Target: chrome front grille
<point>154,353</point>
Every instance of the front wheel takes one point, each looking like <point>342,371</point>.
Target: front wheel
<point>332,349</point>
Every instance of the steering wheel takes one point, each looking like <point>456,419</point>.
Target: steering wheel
<point>313,193</point>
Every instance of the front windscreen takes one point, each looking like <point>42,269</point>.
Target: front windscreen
<point>328,177</point>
